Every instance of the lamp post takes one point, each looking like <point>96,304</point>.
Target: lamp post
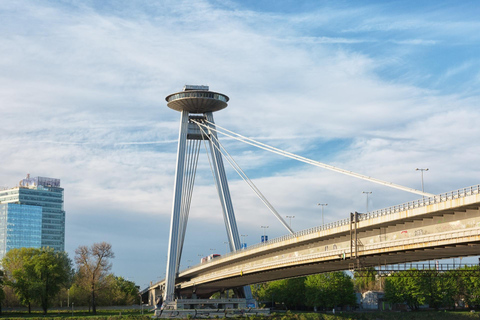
<point>290,218</point>
<point>264,234</point>
<point>367,193</point>
<point>323,205</point>
<point>226,246</point>
<point>422,170</point>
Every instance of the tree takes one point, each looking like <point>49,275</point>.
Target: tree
<point>93,264</point>
<point>37,274</point>
<point>118,292</point>
<point>405,287</point>
<point>329,290</point>
<point>16,276</point>
<point>2,293</point>
<point>365,280</point>
<point>471,287</point>
<point>289,292</point>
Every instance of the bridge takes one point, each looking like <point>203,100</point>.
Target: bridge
<point>437,226</point>
<point>444,226</point>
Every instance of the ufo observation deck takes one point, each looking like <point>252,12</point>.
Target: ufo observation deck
<point>197,99</point>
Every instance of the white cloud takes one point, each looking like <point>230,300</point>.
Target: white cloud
<point>82,93</point>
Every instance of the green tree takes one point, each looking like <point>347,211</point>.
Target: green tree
<point>93,264</point>
<point>118,292</point>
<point>2,293</point>
<point>470,286</point>
<point>79,295</point>
<point>405,287</point>
<point>329,290</point>
<point>289,292</point>
<point>365,280</point>
<point>440,289</point>
<point>37,274</point>
<point>16,274</point>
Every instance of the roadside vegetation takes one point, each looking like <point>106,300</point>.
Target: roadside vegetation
<point>405,290</point>
<point>43,278</point>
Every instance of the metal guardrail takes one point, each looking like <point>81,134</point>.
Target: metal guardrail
<point>337,253</point>
<point>443,197</point>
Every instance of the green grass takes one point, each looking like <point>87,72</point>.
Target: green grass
<point>101,314</point>
<point>136,315</point>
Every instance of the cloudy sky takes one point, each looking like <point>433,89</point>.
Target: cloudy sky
<point>376,87</point>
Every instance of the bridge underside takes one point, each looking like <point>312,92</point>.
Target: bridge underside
<point>446,230</point>
<point>469,248</point>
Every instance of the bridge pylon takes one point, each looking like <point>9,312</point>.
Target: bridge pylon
<point>196,103</point>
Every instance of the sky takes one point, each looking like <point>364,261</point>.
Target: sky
<point>376,87</point>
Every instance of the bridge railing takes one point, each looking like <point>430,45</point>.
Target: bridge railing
<point>456,194</point>
<point>442,197</point>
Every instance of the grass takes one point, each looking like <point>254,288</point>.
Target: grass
<point>101,314</point>
<point>136,315</point>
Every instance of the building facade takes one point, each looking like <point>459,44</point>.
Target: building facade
<point>33,208</point>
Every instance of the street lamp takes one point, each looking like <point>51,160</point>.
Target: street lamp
<point>422,170</point>
<point>323,205</point>
<point>367,193</point>
<point>290,217</point>
<point>226,246</point>
<point>264,234</point>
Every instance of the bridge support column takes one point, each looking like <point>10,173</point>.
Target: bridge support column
<point>172,257</point>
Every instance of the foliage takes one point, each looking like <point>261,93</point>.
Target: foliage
<point>439,291</point>
<point>470,287</point>
<point>16,277</point>
<point>93,265</point>
<point>2,293</point>
<point>118,292</point>
<point>289,292</point>
<point>401,288</point>
<point>328,290</point>
<point>37,274</point>
<point>365,280</point>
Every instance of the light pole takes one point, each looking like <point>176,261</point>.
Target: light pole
<point>367,193</point>
<point>323,205</point>
<point>226,246</point>
<point>243,240</point>
<point>264,234</point>
<point>422,170</point>
<point>290,217</point>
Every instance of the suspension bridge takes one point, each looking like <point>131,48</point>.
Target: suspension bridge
<point>436,226</point>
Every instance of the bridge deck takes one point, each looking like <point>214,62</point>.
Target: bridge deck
<point>442,227</point>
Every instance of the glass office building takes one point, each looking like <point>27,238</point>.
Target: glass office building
<point>32,194</point>
<point>20,227</point>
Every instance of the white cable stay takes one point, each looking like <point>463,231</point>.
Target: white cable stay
<point>287,154</point>
<point>245,178</point>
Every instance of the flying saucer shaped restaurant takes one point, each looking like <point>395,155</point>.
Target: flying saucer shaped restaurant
<point>197,101</point>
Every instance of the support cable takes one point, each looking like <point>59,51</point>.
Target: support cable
<point>250,183</point>
<point>287,154</point>
<point>189,180</point>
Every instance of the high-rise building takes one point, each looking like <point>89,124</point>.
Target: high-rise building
<point>32,215</point>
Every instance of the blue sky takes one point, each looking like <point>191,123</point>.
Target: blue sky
<point>376,87</point>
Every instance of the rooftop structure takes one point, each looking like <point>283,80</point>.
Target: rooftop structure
<point>197,99</point>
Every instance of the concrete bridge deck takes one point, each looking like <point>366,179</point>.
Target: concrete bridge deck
<point>431,228</point>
